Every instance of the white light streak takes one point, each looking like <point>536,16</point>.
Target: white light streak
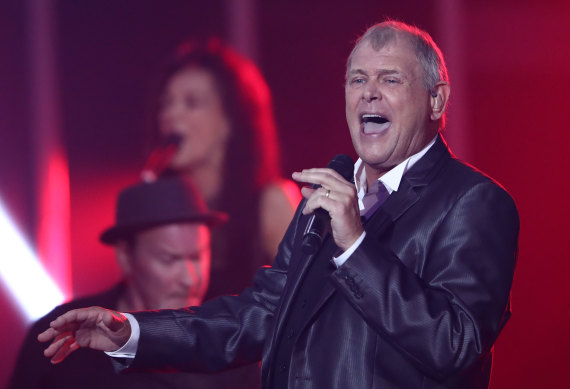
<point>23,274</point>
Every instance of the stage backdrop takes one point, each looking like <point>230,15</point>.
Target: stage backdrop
<point>509,69</point>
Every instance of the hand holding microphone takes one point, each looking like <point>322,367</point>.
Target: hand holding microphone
<point>333,202</point>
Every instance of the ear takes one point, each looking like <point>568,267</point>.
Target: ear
<point>123,253</point>
<point>438,99</point>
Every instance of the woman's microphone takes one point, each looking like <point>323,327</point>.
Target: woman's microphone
<point>160,157</point>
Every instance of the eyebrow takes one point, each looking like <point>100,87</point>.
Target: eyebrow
<point>378,72</point>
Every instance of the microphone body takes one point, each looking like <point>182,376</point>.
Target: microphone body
<point>160,157</point>
<point>319,225</point>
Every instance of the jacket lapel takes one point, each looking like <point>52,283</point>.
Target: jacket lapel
<point>410,188</point>
<point>297,277</point>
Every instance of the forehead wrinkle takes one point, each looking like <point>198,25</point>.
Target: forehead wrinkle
<point>199,249</point>
<point>357,71</point>
<point>382,72</point>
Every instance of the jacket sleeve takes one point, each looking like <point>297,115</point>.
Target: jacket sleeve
<point>225,332</point>
<point>447,312</point>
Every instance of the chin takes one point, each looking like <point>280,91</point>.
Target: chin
<point>179,164</point>
<point>371,155</point>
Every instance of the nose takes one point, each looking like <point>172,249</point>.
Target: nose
<point>190,275</point>
<point>370,92</point>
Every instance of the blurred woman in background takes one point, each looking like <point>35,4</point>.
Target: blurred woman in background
<point>218,105</point>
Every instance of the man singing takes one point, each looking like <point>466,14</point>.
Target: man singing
<point>410,289</point>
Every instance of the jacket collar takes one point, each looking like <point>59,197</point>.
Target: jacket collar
<point>413,180</point>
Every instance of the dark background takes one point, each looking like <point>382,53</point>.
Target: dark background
<point>509,69</point>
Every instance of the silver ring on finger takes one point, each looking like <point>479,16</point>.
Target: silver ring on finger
<point>327,194</point>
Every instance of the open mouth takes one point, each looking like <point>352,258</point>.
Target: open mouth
<point>374,124</point>
<point>372,118</point>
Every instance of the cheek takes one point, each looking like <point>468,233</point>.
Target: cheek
<point>207,126</point>
<point>204,269</point>
<point>408,103</point>
<point>194,270</point>
<point>351,99</point>
<point>156,276</point>
<point>353,121</point>
<point>219,126</point>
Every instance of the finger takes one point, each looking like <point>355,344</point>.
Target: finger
<point>313,197</point>
<point>320,176</point>
<point>307,191</point>
<point>74,319</point>
<point>87,314</point>
<point>58,342</point>
<point>334,184</point>
<point>63,352</point>
<point>47,335</point>
<point>65,322</point>
<point>330,200</point>
<point>114,320</point>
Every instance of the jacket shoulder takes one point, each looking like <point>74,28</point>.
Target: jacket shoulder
<point>469,176</point>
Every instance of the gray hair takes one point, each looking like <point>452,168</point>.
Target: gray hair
<point>427,52</point>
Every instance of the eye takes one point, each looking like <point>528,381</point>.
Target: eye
<point>392,80</point>
<point>166,259</point>
<point>357,81</point>
<point>195,257</point>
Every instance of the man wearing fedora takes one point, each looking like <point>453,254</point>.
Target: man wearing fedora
<point>162,242</point>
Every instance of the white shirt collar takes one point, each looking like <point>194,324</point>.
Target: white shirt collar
<point>392,178</point>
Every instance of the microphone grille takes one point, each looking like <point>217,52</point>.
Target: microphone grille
<point>344,165</point>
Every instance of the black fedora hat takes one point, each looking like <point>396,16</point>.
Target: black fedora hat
<point>164,201</point>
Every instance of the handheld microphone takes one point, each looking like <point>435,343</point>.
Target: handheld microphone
<point>160,157</point>
<point>319,224</point>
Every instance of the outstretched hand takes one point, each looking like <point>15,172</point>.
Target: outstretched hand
<point>94,327</point>
<point>338,197</point>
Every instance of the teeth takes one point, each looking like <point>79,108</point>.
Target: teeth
<point>373,118</point>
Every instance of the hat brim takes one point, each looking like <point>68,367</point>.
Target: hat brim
<point>119,232</point>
